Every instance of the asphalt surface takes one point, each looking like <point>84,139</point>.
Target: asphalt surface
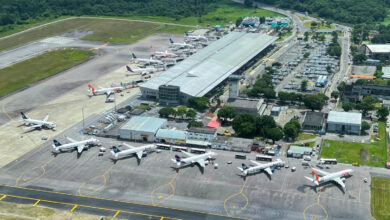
<point>98,204</point>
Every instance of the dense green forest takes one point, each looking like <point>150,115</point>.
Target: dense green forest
<point>345,11</point>
<point>24,11</point>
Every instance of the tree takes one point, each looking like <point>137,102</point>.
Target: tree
<point>314,101</point>
<point>191,113</point>
<point>198,103</point>
<point>290,131</point>
<point>238,21</point>
<point>264,123</point>
<point>306,36</point>
<point>269,93</point>
<point>365,127</point>
<point>348,106</point>
<point>341,86</point>
<point>248,3</point>
<point>262,20</point>
<point>359,58</point>
<point>382,113</point>
<point>304,85</point>
<point>367,104</point>
<point>226,112</point>
<point>181,110</point>
<point>329,69</point>
<point>335,94</point>
<point>274,134</point>
<point>322,38</point>
<point>243,125</point>
<point>306,55</point>
<point>277,64</point>
<point>166,112</point>
<point>194,123</point>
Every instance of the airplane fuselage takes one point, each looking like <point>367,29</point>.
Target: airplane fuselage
<point>71,146</point>
<point>40,122</point>
<point>193,159</point>
<point>340,174</point>
<point>259,168</point>
<point>131,151</point>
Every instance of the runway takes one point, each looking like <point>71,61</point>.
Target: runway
<point>96,205</point>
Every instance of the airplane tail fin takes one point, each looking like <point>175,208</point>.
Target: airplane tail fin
<point>133,55</point>
<point>177,157</point>
<point>129,69</point>
<point>23,115</point>
<point>170,40</point>
<point>151,47</point>
<point>244,167</point>
<point>56,143</point>
<point>115,149</point>
<point>91,89</point>
<point>186,34</point>
<point>316,178</point>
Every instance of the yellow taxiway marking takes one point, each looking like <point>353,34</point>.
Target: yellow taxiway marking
<point>100,46</point>
<point>237,194</point>
<point>36,203</point>
<point>96,177</point>
<point>42,167</point>
<point>170,184</point>
<point>116,214</point>
<point>74,207</point>
<point>3,197</point>
<point>316,204</point>
<point>162,218</point>
<point>108,199</point>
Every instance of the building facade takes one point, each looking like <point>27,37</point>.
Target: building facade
<point>169,95</point>
<point>356,92</point>
<point>140,128</point>
<point>344,122</point>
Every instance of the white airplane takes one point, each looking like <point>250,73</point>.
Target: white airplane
<point>105,91</point>
<point>142,71</point>
<point>38,124</point>
<point>180,45</point>
<point>192,158</point>
<point>338,177</point>
<point>163,54</point>
<point>79,145</point>
<point>196,37</point>
<point>259,167</point>
<point>146,61</point>
<point>139,151</point>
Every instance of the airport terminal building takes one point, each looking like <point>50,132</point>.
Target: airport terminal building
<point>204,71</point>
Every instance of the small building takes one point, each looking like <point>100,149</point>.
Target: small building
<point>386,103</point>
<point>313,121</point>
<point>201,136</point>
<point>344,122</point>
<point>140,128</point>
<point>249,106</point>
<point>298,152</point>
<point>275,111</point>
<point>171,136</point>
<point>386,72</point>
<point>376,50</point>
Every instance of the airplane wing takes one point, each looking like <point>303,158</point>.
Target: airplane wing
<point>188,154</point>
<point>268,170</point>
<point>139,154</point>
<point>129,146</point>
<point>108,93</point>
<point>80,148</point>
<point>46,118</point>
<point>34,126</point>
<point>323,173</point>
<point>201,162</point>
<point>71,140</point>
<point>256,163</point>
<point>340,182</point>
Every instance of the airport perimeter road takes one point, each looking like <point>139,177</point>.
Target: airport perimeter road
<point>100,206</point>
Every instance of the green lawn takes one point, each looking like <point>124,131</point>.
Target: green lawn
<point>387,19</point>
<point>40,67</point>
<point>284,36</point>
<point>303,136</point>
<point>371,154</point>
<point>320,26</point>
<point>380,198</point>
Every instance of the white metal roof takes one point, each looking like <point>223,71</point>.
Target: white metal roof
<point>379,48</point>
<point>201,72</point>
<point>349,118</point>
<point>298,149</point>
<point>171,134</point>
<point>145,124</point>
<point>386,72</point>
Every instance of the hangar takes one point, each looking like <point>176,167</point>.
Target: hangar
<point>142,128</point>
<point>344,122</point>
<point>202,72</point>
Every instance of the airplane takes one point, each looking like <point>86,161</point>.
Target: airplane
<point>146,61</point>
<point>196,37</point>
<point>142,71</point>
<point>163,54</point>
<point>192,158</point>
<point>105,91</point>
<point>79,145</point>
<point>181,45</point>
<point>139,151</point>
<point>38,124</point>
<point>338,177</point>
<point>259,167</point>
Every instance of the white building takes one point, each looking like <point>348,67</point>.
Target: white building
<point>344,122</point>
<point>171,136</point>
<point>201,136</point>
<point>142,128</point>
